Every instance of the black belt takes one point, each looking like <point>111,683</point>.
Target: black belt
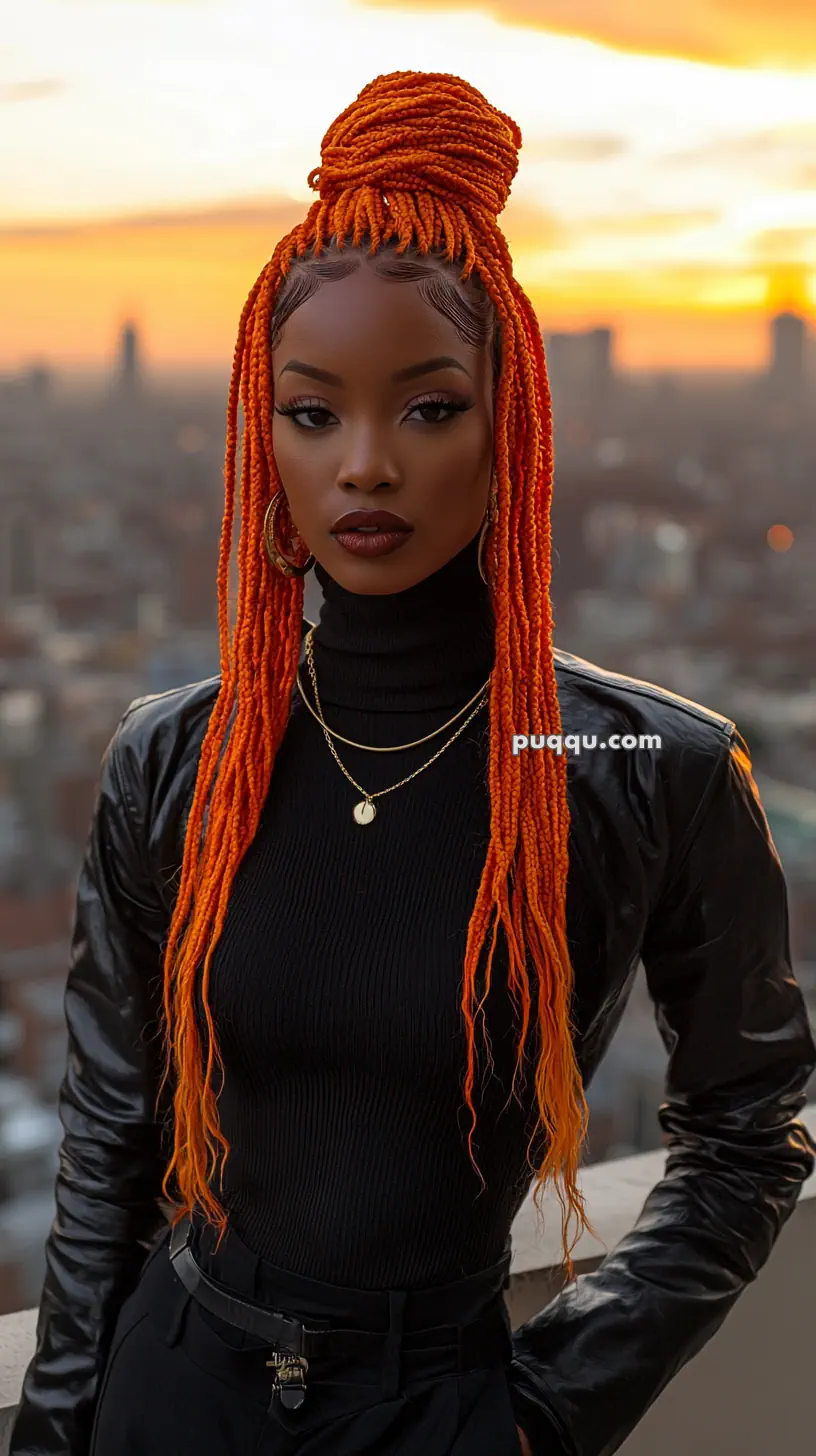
<point>482,1341</point>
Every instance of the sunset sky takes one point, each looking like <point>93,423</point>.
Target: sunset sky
<point>153,152</point>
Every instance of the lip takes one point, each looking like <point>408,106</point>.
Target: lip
<point>371,543</point>
<point>385,520</point>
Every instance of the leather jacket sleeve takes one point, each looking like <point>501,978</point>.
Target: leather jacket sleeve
<point>733,1020</point>
<point>110,1163</point>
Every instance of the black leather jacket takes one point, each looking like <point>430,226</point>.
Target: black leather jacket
<point>671,863</point>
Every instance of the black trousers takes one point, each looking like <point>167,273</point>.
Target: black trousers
<point>182,1382</point>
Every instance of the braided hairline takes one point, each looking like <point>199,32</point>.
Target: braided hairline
<point>466,305</point>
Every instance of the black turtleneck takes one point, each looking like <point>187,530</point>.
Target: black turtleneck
<point>336,984</point>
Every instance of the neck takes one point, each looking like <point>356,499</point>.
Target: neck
<point>429,647</point>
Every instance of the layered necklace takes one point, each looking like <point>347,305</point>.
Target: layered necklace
<point>365,810</point>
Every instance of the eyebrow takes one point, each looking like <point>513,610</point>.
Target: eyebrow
<point>413,371</point>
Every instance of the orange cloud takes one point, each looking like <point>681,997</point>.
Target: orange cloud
<point>721,32</point>
<point>250,213</point>
<point>31,90</point>
<point>575,147</point>
<point>782,156</point>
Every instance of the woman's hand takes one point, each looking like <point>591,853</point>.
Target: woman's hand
<point>526,1449</point>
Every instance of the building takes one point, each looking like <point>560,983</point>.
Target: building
<point>129,360</point>
<point>581,370</point>
<point>787,371</point>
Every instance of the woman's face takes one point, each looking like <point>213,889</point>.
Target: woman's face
<point>367,441</point>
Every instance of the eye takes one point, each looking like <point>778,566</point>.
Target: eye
<point>299,407</point>
<point>434,403</point>
<point>441,402</point>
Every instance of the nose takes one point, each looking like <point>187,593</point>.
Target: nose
<point>367,483</point>
<point>368,467</point>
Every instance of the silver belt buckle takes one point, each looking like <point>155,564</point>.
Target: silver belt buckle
<point>288,1381</point>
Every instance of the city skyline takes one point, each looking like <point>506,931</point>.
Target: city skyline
<point>588,357</point>
<point>665,185</point>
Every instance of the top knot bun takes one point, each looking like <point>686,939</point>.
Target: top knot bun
<point>421,131</point>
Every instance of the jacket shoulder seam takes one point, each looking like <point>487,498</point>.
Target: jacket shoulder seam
<point>725,726</point>
<point>161,697</point>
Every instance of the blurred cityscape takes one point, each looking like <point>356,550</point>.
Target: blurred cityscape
<point>684,525</point>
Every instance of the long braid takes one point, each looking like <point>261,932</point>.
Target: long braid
<point>424,159</point>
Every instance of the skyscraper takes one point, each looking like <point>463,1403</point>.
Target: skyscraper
<point>600,344</point>
<point>581,369</point>
<point>787,372</point>
<point>129,357</point>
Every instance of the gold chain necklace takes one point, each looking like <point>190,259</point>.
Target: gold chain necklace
<point>370,748</point>
<point>365,811</point>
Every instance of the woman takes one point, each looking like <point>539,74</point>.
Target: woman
<point>321,888</point>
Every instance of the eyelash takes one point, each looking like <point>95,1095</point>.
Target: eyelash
<point>427,402</point>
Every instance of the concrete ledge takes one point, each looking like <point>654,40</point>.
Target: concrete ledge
<point>746,1394</point>
<point>16,1348</point>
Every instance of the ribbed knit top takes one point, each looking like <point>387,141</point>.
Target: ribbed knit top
<point>336,985</point>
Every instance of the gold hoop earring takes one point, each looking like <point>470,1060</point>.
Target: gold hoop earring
<point>282,563</point>
<point>489,518</point>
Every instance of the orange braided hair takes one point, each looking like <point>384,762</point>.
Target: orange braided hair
<point>423,158</point>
